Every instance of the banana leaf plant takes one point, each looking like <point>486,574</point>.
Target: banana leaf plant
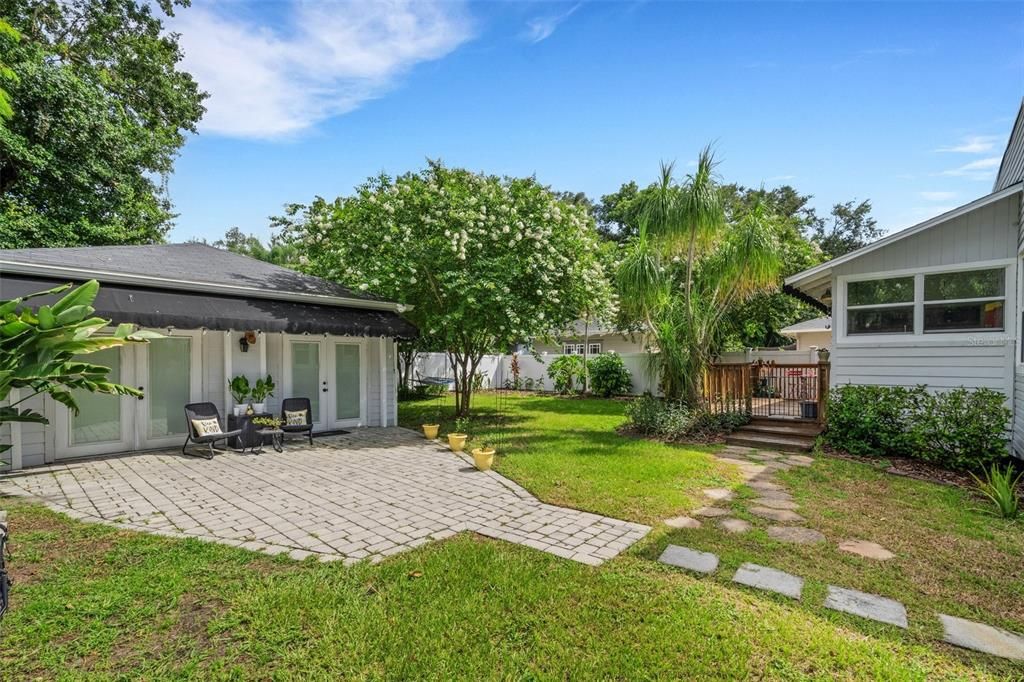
<point>40,351</point>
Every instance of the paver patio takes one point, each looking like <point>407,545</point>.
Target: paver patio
<point>365,495</point>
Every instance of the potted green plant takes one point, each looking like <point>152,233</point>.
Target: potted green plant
<point>483,456</point>
<point>457,438</point>
<point>263,389</point>
<point>240,391</point>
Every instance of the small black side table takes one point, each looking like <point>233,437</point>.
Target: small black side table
<point>250,436</point>
<point>276,437</point>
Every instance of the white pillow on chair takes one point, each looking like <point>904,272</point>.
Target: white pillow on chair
<point>206,427</point>
<point>296,418</point>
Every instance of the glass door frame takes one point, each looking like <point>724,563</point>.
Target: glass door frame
<point>142,439</point>
<point>332,393</point>
<point>320,422</point>
<point>64,449</point>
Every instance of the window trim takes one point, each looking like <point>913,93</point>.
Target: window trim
<point>953,301</point>
<point>839,313</point>
<point>593,344</point>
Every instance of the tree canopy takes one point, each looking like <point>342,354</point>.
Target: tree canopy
<point>99,110</point>
<point>485,262</point>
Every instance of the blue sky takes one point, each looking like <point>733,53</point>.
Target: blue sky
<point>908,105</point>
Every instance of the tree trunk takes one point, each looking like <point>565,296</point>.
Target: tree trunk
<point>465,366</point>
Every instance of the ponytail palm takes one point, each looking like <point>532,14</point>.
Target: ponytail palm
<point>688,266</point>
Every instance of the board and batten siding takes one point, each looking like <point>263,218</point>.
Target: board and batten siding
<point>1011,170</point>
<point>1018,421</point>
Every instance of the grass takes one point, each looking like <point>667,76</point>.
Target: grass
<point>100,602</point>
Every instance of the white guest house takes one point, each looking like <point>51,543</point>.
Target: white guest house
<point>222,315</point>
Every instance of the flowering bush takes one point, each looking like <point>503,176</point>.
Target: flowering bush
<point>485,262</point>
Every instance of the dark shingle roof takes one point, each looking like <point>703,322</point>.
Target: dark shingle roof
<point>190,262</point>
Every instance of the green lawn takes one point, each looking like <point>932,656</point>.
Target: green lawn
<point>92,601</point>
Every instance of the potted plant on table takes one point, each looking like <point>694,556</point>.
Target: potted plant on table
<point>263,389</point>
<point>240,391</point>
<point>483,456</point>
<point>457,438</point>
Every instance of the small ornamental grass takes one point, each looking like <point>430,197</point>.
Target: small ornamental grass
<point>675,420</point>
<point>1000,486</point>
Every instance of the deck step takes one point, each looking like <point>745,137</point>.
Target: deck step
<point>783,429</point>
<point>767,441</point>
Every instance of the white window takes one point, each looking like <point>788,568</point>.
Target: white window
<point>880,306</point>
<point>965,301</point>
<point>572,348</point>
<point>594,349</point>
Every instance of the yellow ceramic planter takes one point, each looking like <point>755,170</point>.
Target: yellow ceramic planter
<point>483,458</point>
<point>430,431</point>
<point>457,441</point>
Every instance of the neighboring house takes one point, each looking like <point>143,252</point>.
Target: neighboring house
<point>939,303</point>
<point>595,338</point>
<point>816,333</point>
<point>317,339</point>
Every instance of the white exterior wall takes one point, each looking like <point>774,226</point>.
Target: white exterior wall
<point>613,342</point>
<point>38,441</point>
<point>984,238</point>
<point>1018,322</point>
<point>805,340</point>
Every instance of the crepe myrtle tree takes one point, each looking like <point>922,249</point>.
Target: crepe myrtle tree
<point>483,262</point>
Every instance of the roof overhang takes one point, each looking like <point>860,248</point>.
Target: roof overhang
<point>107,277</point>
<point>161,308</point>
<point>815,281</point>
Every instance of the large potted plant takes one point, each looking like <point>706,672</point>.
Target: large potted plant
<point>240,391</point>
<point>457,438</point>
<point>483,456</point>
<point>263,389</point>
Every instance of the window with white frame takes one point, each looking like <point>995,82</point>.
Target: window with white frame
<point>880,306</point>
<point>594,349</point>
<point>965,301</point>
<point>572,348</point>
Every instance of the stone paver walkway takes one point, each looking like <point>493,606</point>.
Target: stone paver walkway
<point>366,495</point>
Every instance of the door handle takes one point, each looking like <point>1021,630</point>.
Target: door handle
<point>142,397</point>
<point>324,390</point>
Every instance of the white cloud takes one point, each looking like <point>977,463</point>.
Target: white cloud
<point>541,28</point>
<point>781,178</point>
<point>972,144</point>
<point>982,169</point>
<point>937,196</point>
<point>324,59</point>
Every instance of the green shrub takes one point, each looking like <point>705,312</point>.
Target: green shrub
<point>608,375</point>
<point>674,420</point>
<point>564,370</point>
<point>958,429</point>
<point>406,393</point>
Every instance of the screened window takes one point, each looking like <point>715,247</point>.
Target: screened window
<point>880,306</point>
<point>971,300</point>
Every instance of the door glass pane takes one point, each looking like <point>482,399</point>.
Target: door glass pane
<point>99,415</point>
<point>346,381</point>
<point>306,374</point>
<point>170,385</point>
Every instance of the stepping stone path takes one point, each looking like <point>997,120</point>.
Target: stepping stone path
<point>718,494</point>
<point>711,511</point>
<point>682,522</point>
<point>776,503</point>
<point>734,525</point>
<point>780,515</point>
<point>868,550</point>
<point>771,579</point>
<point>800,536</point>
<point>865,605</point>
<point>980,637</point>
<point>690,559</point>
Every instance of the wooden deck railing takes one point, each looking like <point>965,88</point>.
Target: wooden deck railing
<point>767,389</point>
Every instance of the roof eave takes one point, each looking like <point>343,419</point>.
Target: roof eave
<point>799,280</point>
<point>191,285</point>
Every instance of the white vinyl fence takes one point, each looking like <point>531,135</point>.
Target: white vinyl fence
<point>497,369</point>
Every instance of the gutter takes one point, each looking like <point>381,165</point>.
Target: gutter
<point>201,287</point>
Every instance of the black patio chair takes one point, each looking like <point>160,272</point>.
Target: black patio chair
<point>204,411</point>
<point>295,405</point>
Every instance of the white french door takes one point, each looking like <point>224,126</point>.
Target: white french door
<point>332,374</point>
<point>169,372</point>
<point>347,363</point>
<point>104,423</point>
<point>305,376</point>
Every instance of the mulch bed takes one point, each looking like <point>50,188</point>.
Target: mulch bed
<point>909,468</point>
